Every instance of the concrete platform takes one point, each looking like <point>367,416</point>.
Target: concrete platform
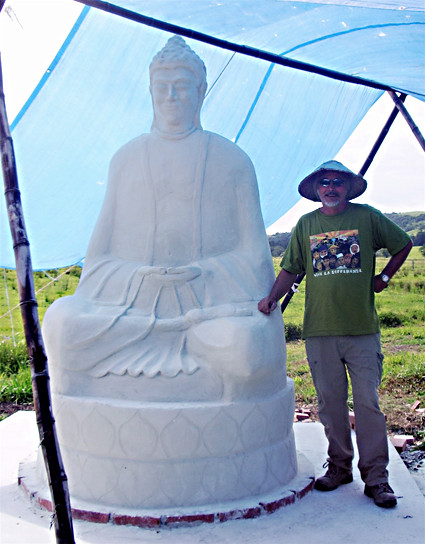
<point>344,515</point>
<point>296,489</point>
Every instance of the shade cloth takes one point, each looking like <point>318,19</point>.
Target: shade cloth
<point>95,97</point>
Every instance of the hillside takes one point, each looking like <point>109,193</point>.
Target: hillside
<point>412,222</point>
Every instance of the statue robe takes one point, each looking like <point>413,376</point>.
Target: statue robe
<point>175,267</point>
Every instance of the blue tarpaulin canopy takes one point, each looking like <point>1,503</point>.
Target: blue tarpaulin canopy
<point>95,97</point>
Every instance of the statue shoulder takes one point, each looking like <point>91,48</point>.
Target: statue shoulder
<point>228,150</point>
<point>130,149</point>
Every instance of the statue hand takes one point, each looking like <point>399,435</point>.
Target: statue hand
<point>149,270</point>
<point>172,273</point>
<point>184,272</point>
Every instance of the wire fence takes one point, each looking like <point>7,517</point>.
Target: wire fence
<point>49,288</point>
<point>415,264</point>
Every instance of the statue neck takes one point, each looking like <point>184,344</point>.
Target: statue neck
<point>173,136</point>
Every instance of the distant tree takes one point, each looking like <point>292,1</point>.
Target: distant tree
<point>277,251</point>
<point>279,242</point>
<point>383,253</point>
<point>419,238</point>
<point>422,250</point>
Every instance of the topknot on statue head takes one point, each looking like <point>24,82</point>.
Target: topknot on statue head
<point>176,52</point>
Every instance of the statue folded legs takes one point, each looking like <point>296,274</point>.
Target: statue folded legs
<point>162,336</point>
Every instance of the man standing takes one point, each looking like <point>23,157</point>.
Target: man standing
<point>342,334</point>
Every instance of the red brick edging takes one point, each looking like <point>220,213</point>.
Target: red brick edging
<point>151,522</point>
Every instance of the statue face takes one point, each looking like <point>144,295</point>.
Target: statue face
<point>175,97</point>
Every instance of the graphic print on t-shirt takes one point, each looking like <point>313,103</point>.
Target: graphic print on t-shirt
<point>335,252</point>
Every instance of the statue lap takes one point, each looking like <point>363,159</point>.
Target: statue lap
<point>169,386</point>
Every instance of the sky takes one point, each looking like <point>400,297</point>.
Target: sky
<point>396,178</point>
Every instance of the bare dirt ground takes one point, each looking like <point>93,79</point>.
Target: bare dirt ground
<point>9,408</point>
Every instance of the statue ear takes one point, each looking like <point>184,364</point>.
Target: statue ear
<point>202,90</point>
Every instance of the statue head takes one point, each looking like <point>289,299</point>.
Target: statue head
<point>177,85</point>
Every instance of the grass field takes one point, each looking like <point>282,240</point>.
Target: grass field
<point>401,310</point>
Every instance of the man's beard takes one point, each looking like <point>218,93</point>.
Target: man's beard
<point>331,203</point>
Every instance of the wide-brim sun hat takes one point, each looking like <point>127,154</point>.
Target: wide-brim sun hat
<point>307,188</point>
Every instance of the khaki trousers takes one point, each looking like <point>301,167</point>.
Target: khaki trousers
<point>329,358</point>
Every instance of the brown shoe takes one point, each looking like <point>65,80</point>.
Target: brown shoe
<point>333,478</point>
<point>382,494</point>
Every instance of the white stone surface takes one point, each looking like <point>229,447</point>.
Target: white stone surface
<point>153,455</point>
<point>169,386</point>
<point>343,515</point>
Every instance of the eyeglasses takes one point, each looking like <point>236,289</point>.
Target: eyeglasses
<point>335,182</point>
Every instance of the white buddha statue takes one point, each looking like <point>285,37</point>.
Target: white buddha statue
<point>176,264</point>
<point>166,309</point>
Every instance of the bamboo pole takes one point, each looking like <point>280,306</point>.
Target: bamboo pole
<point>38,361</point>
<point>254,52</point>
<point>402,108</point>
<point>381,138</point>
<point>292,291</point>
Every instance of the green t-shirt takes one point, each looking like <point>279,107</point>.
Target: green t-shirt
<point>338,255</point>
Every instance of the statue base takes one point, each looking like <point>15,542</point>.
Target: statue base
<point>299,487</point>
<point>165,463</point>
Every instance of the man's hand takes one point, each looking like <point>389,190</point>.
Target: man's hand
<point>280,287</point>
<point>392,267</point>
<point>267,305</point>
<point>378,284</point>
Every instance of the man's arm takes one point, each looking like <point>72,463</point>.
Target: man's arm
<point>391,267</point>
<point>280,287</point>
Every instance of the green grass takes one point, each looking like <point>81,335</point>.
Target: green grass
<point>400,307</point>
<point>403,300</point>
<point>15,374</point>
<point>48,285</point>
